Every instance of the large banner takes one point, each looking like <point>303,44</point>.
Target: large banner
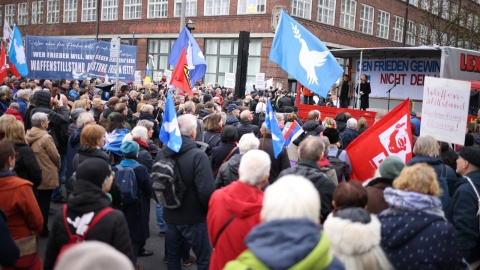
<point>460,64</point>
<point>445,109</point>
<point>77,59</point>
<point>407,75</point>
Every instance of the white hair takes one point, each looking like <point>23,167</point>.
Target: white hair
<point>254,167</point>
<point>291,196</point>
<point>138,132</point>
<point>248,142</point>
<point>187,124</point>
<point>84,118</point>
<point>352,123</point>
<point>147,108</point>
<point>38,118</point>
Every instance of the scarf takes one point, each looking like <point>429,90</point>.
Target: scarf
<point>413,201</point>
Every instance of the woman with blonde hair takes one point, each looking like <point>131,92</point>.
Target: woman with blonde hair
<point>415,233</point>
<point>4,121</point>
<point>81,103</point>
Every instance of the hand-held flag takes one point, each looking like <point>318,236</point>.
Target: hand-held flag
<point>170,132</point>
<point>272,125</point>
<point>181,75</point>
<point>17,53</point>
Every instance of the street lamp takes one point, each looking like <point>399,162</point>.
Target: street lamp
<point>190,25</point>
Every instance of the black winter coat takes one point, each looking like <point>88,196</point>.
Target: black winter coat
<point>247,127</point>
<point>228,172</point>
<point>197,175</point>
<point>310,128</point>
<point>278,164</point>
<point>112,229</point>
<point>347,136</point>
<point>26,165</point>
<point>151,118</point>
<point>310,170</point>
<point>220,152</point>
<point>9,251</point>
<point>72,148</point>
<point>212,138</point>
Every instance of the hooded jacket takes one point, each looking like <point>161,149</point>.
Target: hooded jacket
<point>197,176</point>
<point>47,156</point>
<point>228,171</point>
<point>286,244</point>
<point>244,202</point>
<point>326,187</point>
<point>112,229</point>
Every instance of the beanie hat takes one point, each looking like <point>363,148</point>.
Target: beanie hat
<point>96,91</point>
<point>42,98</point>
<point>93,255</point>
<point>391,167</point>
<point>471,154</point>
<point>75,113</point>
<point>93,170</point>
<point>129,149</point>
<point>332,134</point>
<point>124,88</point>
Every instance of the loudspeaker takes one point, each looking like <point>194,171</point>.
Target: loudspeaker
<point>242,64</point>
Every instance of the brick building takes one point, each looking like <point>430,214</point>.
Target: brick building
<point>153,25</point>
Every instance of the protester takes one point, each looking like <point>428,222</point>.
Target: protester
<point>140,135</point>
<point>94,179</point>
<point>311,128</point>
<point>152,147</point>
<point>289,237</point>
<point>349,194</point>
<point>147,113</point>
<point>349,134</point>
<point>362,125</point>
<point>116,131</point>
<point>325,165</point>
<point>245,126</point>
<point>213,129</point>
<point>49,160</point>
<point>415,121</point>
<point>462,210</point>
<point>24,217</point>
<point>279,163</point>
<point>235,210</point>
<point>233,112</point>
<point>354,235</point>
<point>227,148</point>
<point>13,109</point>
<point>414,230</point>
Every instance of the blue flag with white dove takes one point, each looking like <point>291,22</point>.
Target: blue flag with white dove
<point>17,53</point>
<point>272,125</point>
<point>304,56</point>
<point>195,59</point>
<point>170,132</point>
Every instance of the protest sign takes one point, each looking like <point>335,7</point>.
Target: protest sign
<point>229,80</point>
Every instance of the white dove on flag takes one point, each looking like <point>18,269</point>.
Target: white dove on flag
<point>172,127</point>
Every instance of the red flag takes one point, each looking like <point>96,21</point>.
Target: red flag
<point>181,74</point>
<point>390,136</point>
<point>3,64</point>
<point>14,70</point>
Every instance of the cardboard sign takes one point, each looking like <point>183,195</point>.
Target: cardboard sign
<point>229,80</point>
<point>260,81</point>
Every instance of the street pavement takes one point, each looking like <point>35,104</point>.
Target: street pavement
<point>154,243</point>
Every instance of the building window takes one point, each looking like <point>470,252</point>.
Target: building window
<point>470,22</point>
<point>454,14</point>
<point>157,9</point>
<point>398,28</point>
<point>414,2</point>
<point>411,33</point>
<point>434,37</point>
<point>383,24</point>
<point>22,14</point>
<point>109,10</point>
<point>347,14</point>
<point>160,50</point>
<point>89,10</point>
<point>445,9</point>
<point>132,9</point>
<point>37,12</point>
<point>366,20</point>
<point>435,6</point>
<point>10,14</point>
<point>326,11</point>
<point>302,8</point>
<point>190,8</point>
<point>221,58</point>
<point>425,5</point>
<point>251,6</point>
<point>70,11</point>
<point>423,35</point>
<point>216,7</point>
<point>53,11</point>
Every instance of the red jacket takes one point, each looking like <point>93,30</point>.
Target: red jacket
<point>15,113</point>
<point>239,199</point>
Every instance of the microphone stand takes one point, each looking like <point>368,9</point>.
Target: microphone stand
<point>389,91</point>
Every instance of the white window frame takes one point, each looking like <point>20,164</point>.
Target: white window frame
<point>22,18</point>
<point>425,5</point>
<point>132,9</point>
<point>37,12</point>
<point>302,9</point>
<point>435,6</point>
<point>216,7</point>
<point>251,6</point>
<point>367,14</point>
<point>10,13</point>
<point>53,11</point>
<point>413,3</point>
<point>70,8</point>
<point>190,8</point>
<point>411,33</point>
<point>347,14</point>
<point>423,35</point>
<point>109,10</point>
<point>89,10</point>
<point>326,11</point>
<point>157,9</point>
<point>398,23</point>
<point>383,24</point>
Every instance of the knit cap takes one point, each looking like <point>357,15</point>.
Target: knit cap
<point>94,170</point>
<point>391,167</point>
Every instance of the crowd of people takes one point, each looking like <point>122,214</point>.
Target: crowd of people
<point>243,207</point>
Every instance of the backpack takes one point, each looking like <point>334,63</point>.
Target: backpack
<point>127,183</point>
<point>208,150</point>
<point>340,166</point>
<point>167,182</point>
<point>74,239</point>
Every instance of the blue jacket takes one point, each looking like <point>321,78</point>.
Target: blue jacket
<point>416,122</point>
<point>437,165</point>
<point>347,136</point>
<point>418,240</point>
<point>462,213</point>
<point>23,105</point>
<point>72,149</point>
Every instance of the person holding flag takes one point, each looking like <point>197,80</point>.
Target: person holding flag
<point>17,53</point>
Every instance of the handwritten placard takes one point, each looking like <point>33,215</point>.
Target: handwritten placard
<point>260,81</point>
<point>229,80</point>
<point>445,109</point>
